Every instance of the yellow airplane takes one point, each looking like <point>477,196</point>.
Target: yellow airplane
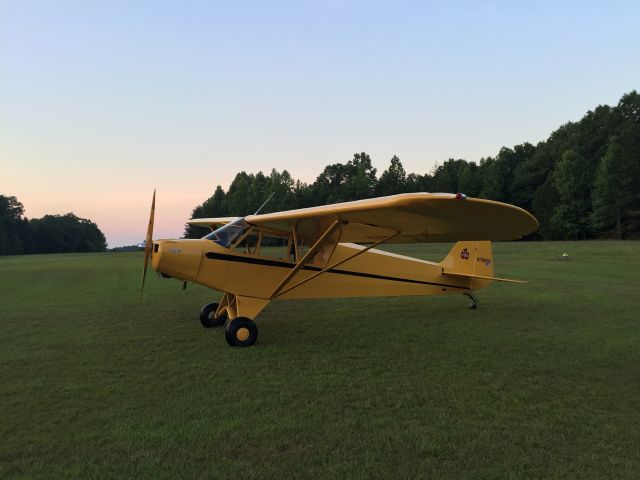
<point>329,251</point>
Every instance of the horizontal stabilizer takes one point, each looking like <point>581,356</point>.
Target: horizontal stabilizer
<point>481,277</point>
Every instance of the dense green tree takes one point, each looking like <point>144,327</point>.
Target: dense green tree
<point>445,177</point>
<point>545,200</point>
<point>339,182</point>
<point>590,136</point>
<point>282,186</point>
<point>240,196</point>
<point>393,180</point>
<point>49,234</point>
<point>11,224</point>
<point>529,176</point>
<point>616,195</point>
<point>628,107</point>
<point>540,180</point>
<point>490,173</point>
<point>65,234</point>
<point>499,173</point>
<point>415,183</point>
<point>303,195</point>
<point>573,180</point>
<point>361,177</point>
<point>469,180</point>
<point>215,206</point>
<point>607,202</point>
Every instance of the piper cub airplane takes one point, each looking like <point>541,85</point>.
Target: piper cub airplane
<point>329,251</point>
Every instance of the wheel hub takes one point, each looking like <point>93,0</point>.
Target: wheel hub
<point>242,334</point>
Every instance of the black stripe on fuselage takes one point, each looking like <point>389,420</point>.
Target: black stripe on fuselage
<point>282,264</point>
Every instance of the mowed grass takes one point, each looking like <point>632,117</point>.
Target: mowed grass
<point>542,381</point>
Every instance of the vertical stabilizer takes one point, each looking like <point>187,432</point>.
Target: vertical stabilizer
<point>470,258</point>
<point>473,258</point>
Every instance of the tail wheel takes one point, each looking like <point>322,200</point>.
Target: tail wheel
<point>208,318</point>
<point>241,332</point>
<point>474,301</point>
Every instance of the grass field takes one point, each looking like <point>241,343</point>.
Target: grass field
<point>542,381</point>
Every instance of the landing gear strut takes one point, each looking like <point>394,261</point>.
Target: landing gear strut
<point>474,301</point>
<point>240,330</point>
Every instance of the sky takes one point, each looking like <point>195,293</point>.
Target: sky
<point>103,101</point>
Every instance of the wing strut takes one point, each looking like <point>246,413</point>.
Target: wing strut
<point>312,251</point>
<point>337,264</point>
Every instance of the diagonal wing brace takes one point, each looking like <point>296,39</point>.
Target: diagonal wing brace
<point>312,251</point>
<point>330,267</point>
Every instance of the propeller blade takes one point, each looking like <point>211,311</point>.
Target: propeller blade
<point>148,243</point>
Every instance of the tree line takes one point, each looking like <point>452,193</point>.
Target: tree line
<point>49,234</point>
<point>582,182</point>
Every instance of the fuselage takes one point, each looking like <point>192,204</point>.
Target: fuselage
<point>369,274</point>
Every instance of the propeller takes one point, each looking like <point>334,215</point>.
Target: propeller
<point>148,243</point>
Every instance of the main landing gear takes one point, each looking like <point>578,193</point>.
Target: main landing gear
<point>239,332</point>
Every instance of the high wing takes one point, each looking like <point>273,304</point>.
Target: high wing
<point>211,223</point>
<point>413,217</point>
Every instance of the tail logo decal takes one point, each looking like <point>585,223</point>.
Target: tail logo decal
<point>464,254</point>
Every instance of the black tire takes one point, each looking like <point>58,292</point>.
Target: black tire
<point>241,332</point>
<point>207,318</point>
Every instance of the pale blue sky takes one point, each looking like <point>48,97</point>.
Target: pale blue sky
<point>100,102</point>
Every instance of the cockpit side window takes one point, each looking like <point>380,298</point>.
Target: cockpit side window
<point>251,240</point>
<point>229,233</point>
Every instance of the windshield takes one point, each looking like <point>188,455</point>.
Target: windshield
<point>229,233</point>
